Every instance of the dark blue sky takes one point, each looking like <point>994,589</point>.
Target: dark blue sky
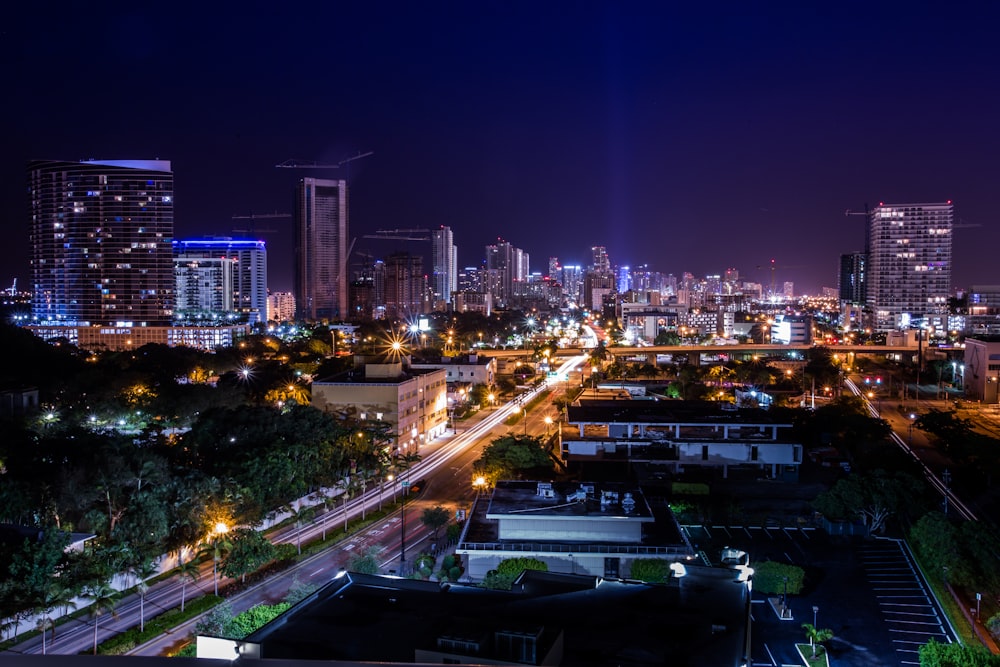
<point>691,139</point>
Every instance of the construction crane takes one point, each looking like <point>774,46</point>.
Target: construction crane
<point>259,216</point>
<point>292,163</point>
<point>401,235</point>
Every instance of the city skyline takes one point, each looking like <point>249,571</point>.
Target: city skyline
<point>690,140</point>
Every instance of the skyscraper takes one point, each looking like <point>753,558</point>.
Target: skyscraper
<point>101,233</point>
<point>444,258</point>
<point>247,289</point>
<point>909,263</point>
<point>504,264</point>
<point>321,245</point>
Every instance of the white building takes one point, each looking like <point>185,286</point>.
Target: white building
<point>909,263</point>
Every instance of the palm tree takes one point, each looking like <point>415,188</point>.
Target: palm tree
<point>143,571</point>
<point>187,571</point>
<point>62,596</point>
<point>43,624</point>
<point>816,635</point>
<point>301,515</point>
<point>103,600</point>
<point>216,549</point>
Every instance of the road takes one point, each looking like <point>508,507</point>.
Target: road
<point>446,464</point>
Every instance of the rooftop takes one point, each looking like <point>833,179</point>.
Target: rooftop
<point>699,618</point>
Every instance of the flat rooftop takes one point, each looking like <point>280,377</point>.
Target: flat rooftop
<point>698,619</point>
<point>593,500</point>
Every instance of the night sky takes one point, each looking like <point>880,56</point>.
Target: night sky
<point>690,139</point>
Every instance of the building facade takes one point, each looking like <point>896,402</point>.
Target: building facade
<point>444,260</point>
<point>238,286</point>
<point>101,233</point>
<point>321,245</point>
<point>909,263</point>
<point>414,403</point>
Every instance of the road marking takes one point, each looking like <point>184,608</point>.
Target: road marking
<point>317,572</point>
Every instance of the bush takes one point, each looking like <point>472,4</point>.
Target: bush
<point>651,570</point>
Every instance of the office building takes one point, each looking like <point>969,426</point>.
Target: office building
<point>221,278</point>
<point>321,245</point>
<point>100,233</point>
<point>909,263</point>
<point>444,258</point>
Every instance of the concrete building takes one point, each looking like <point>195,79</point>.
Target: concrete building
<point>464,369</point>
<point>982,368</point>
<point>321,243</point>
<point>909,263</point>
<point>681,434</point>
<point>100,235</point>
<point>280,307</point>
<point>597,529</point>
<point>225,273</point>
<point>413,402</point>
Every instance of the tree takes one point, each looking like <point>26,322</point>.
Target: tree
<point>510,455</point>
<point>936,654</point>
<point>103,600</point>
<point>870,497</point>
<point>301,515</point>
<point>216,549</point>
<point>366,562</point>
<point>249,551</point>
<point>188,571</point>
<point>143,571</point>
<point>816,635</point>
<point>434,518</point>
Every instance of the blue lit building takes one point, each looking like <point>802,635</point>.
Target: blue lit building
<point>100,235</point>
<point>220,279</point>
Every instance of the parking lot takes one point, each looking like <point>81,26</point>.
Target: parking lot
<point>868,592</point>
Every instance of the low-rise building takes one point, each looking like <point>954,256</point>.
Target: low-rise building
<point>701,615</point>
<point>466,369</point>
<point>413,402</point>
<point>680,434</point>
<point>589,528</point>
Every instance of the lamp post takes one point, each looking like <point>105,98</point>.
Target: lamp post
<point>912,418</point>
<point>815,611</point>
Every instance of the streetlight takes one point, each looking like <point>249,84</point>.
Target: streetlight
<point>912,418</point>
<point>548,424</point>
<point>479,483</point>
<point>815,611</point>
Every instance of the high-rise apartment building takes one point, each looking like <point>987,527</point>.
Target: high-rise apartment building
<point>101,233</point>
<point>852,278</point>
<point>444,258</point>
<point>909,263</point>
<point>230,273</point>
<point>404,285</point>
<point>505,264</point>
<point>321,245</point>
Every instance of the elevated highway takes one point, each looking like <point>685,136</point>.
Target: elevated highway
<point>740,351</point>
